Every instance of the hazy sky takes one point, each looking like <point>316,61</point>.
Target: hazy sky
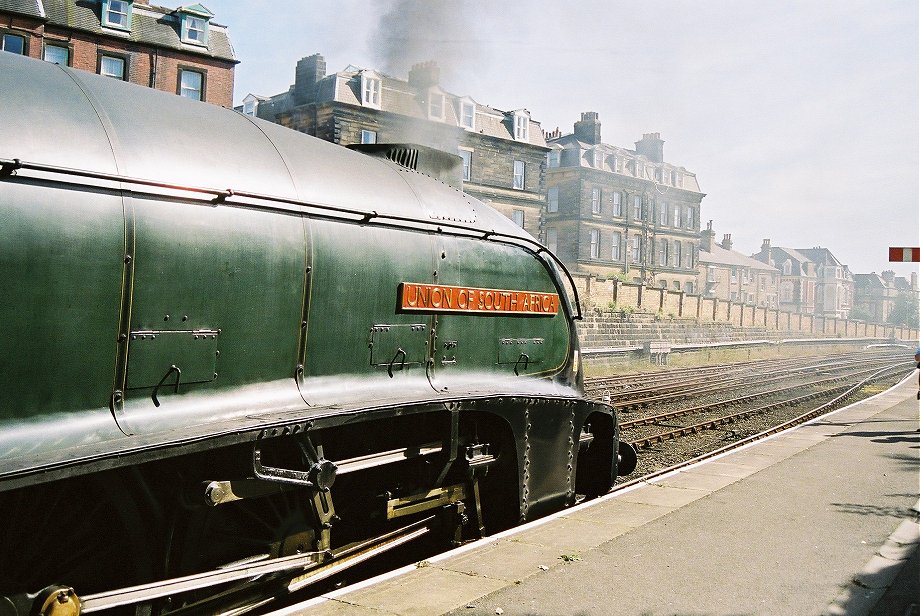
<point>800,118</point>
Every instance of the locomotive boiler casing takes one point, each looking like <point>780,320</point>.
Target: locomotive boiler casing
<point>180,278</point>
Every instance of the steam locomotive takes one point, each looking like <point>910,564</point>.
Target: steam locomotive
<point>236,358</point>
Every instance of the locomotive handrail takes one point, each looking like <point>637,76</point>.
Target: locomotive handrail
<point>8,168</point>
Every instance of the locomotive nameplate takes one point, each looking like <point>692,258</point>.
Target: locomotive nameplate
<point>416,297</point>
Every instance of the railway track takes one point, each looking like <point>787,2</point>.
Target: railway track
<point>821,385</point>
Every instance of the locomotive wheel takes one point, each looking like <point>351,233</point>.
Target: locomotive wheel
<point>207,538</point>
<point>85,533</point>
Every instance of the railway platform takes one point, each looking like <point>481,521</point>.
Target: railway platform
<point>822,519</point>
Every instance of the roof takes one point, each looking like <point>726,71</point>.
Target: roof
<point>399,97</point>
<point>821,256</point>
<point>869,281</point>
<point>571,142</point>
<point>721,256</point>
<point>29,8</point>
<point>150,25</point>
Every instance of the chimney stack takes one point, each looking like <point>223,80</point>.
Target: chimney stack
<point>309,72</point>
<point>588,129</point>
<point>888,276</point>
<point>424,75</point>
<point>706,237</point>
<point>652,147</point>
<point>727,241</point>
<point>913,281</point>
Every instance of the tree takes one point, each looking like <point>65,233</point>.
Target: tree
<point>905,311</point>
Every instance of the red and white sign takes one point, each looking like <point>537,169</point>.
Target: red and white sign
<point>896,254</point>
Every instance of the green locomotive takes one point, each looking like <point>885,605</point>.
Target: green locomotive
<point>235,357</point>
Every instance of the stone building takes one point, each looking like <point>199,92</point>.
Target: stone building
<point>176,50</point>
<point>834,283</point>
<point>502,152</point>
<point>812,280</point>
<point>797,279</point>
<point>727,274</point>
<point>612,210</point>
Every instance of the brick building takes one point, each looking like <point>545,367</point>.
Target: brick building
<point>176,50</point>
<point>612,210</point>
<point>727,274</point>
<point>502,152</point>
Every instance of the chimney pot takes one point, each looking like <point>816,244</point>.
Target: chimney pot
<point>424,75</point>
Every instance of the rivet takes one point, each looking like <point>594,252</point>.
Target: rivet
<point>166,318</point>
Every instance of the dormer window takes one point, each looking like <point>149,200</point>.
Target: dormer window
<point>435,105</point>
<point>370,90</point>
<point>194,24</point>
<point>597,159</point>
<point>521,125</point>
<point>116,14</point>
<point>467,115</point>
<point>250,106</point>
<point>553,158</point>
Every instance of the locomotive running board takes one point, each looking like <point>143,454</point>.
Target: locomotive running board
<point>340,559</point>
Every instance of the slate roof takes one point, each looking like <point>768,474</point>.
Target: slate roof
<point>869,281</point>
<point>398,97</point>
<point>721,256</point>
<point>29,8</point>
<point>150,24</point>
<point>571,142</point>
<point>821,256</point>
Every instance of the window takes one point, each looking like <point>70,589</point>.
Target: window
<point>370,90</point>
<point>595,243</point>
<point>110,66</point>
<point>467,115</point>
<point>617,204</point>
<point>13,43</point>
<point>637,207</point>
<point>763,283</point>
<point>116,14</point>
<point>690,222</point>
<point>518,181</point>
<point>787,267</point>
<point>597,159</point>
<point>662,252</point>
<point>688,287</point>
<point>552,199</point>
<point>677,285</point>
<point>734,276</point>
<point>518,217</point>
<point>191,84</point>
<point>677,255</point>
<point>676,220</point>
<point>615,246</point>
<point>467,156</point>
<point>663,214</point>
<point>249,107</point>
<point>368,136</point>
<point>639,170</point>
<point>553,158</point>
<point>194,29</point>
<point>595,200</point>
<point>636,255</point>
<point>521,125</point>
<point>710,274</point>
<point>614,164</point>
<point>435,106</point>
<point>551,239</point>
<point>56,54</point>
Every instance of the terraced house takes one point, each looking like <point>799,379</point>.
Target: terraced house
<point>499,154</point>
<point>179,50</point>
<point>612,210</point>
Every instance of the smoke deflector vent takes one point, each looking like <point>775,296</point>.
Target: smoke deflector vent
<point>438,164</point>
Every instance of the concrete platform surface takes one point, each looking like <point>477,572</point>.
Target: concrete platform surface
<point>820,520</point>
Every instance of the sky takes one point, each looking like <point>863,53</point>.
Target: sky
<point>799,118</point>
